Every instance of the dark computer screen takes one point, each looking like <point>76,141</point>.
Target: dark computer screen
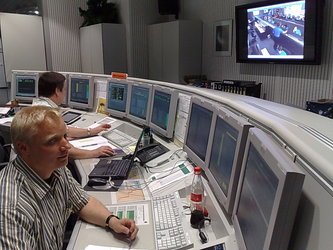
<point>223,153</point>
<point>256,200</point>
<point>117,96</point>
<point>161,107</point>
<point>79,90</point>
<point>26,86</point>
<point>139,102</point>
<point>198,130</point>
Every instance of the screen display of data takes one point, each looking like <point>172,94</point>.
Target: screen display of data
<point>25,86</point>
<point>79,90</point>
<point>117,96</point>
<point>139,102</point>
<point>198,130</point>
<point>256,200</point>
<point>223,153</point>
<point>161,107</point>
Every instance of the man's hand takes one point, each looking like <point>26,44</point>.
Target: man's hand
<point>100,128</point>
<point>102,151</point>
<point>124,226</point>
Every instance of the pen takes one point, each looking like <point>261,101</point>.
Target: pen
<point>84,146</point>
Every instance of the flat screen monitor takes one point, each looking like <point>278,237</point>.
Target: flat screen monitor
<point>24,86</point>
<point>279,31</point>
<point>198,130</point>
<point>163,110</point>
<point>140,99</point>
<point>118,97</point>
<point>268,195</point>
<point>229,133</point>
<point>81,92</point>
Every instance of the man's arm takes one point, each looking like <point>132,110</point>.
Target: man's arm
<point>77,153</point>
<point>84,132</point>
<point>96,213</point>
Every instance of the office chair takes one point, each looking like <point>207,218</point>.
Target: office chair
<point>4,153</point>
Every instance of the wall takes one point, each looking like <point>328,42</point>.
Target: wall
<point>287,84</point>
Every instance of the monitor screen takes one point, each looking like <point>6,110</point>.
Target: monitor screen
<point>268,195</point>
<point>117,97</point>
<point>25,86</point>
<point>229,133</point>
<point>164,108</point>
<point>198,130</point>
<point>140,103</point>
<point>81,91</point>
<point>279,31</point>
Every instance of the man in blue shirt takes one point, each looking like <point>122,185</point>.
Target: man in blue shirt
<point>277,33</point>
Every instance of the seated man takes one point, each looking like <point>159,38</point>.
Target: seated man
<point>37,193</point>
<point>52,90</point>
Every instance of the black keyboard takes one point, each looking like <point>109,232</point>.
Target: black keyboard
<point>117,169</point>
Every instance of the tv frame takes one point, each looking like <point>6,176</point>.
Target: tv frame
<point>168,132</point>
<point>242,127</point>
<point>16,74</point>
<point>312,45</point>
<point>78,105</point>
<point>114,112</point>
<point>190,153</point>
<point>134,118</point>
<point>288,191</point>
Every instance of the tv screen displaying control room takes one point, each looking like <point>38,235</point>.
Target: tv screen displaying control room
<point>140,103</point>
<point>163,110</point>
<point>80,91</point>
<point>24,86</point>
<point>118,97</point>
<point>280,31</point>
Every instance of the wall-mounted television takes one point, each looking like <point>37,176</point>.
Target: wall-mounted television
<point>279,31</point>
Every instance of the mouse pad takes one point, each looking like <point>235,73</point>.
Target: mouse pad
<point>117,184</point>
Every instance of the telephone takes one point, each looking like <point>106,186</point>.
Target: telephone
<point>150,152</point>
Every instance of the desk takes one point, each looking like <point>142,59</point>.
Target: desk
<point>83,234</point>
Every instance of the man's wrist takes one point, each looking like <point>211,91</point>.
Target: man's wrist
<point>89,131</point>
<point>108,219</point>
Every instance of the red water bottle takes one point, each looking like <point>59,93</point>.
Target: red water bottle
<point>197,198</point>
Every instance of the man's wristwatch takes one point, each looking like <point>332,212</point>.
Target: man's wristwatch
<point>89,131</point>
<point>108,220</point>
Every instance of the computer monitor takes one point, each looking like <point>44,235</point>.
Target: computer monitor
<point>65,101</point>
<point>80,91</point>
<point>268,194</point>
<point>229,133</point>
<point>140,103</point>
<point>198,130</point>
<point>24,85</point>
<point>163,110</point>
<point>117,100</point>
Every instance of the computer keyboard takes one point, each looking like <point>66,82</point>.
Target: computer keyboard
<point>170,227</point>
<point>119,138</point>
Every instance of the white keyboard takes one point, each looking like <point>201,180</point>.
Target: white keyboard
<point>119,138</point>
<point>170,227</point>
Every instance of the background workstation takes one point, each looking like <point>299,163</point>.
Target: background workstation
<point>303,137</point>
<point>306,139</point>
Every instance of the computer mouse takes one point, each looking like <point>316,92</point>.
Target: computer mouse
<point>97,182</point>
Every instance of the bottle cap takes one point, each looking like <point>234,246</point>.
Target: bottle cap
<point>197,169</point>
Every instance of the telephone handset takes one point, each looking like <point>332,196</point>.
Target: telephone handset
<point>151,151</point>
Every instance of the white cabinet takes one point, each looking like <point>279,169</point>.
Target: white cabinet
<point>174,50</point>
<point>103,48</point>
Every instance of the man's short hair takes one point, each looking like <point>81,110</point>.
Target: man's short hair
<point>27,121</point>
<point>48,83</point>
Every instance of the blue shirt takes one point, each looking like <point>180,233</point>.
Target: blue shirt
<point>277,31</point>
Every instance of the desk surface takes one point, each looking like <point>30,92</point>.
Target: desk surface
<point>220,229</point>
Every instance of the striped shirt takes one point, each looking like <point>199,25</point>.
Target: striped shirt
<point>33,213</point>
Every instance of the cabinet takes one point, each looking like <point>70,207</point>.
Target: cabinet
<point>103,48</point>
<point>174,50</point>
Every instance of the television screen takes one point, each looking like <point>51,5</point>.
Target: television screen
<point>117,97</point>
<point>80,92</point>
<point>279,31</point>
<point>25,85</point>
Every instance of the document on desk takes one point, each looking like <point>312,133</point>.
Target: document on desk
<point>130,191</point>
<point>5,120</point>
<point>160,181</point>
<point>91,143</point>
<point>105,120</point>
<point>94,247</point>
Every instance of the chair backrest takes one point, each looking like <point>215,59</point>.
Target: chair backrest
<point>4,153</point>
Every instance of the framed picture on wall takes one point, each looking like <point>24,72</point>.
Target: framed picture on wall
<point>223,37</point>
